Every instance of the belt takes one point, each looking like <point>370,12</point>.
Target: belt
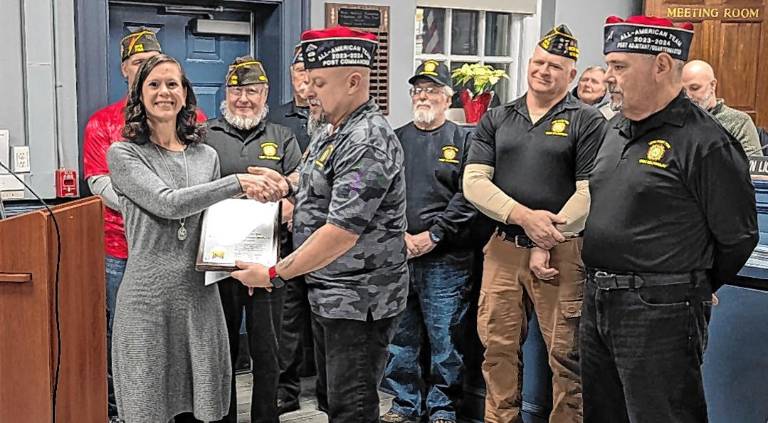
<point>521,240</point>
<point>611,280</point>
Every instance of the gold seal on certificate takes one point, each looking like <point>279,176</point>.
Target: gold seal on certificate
<point>239,229</point>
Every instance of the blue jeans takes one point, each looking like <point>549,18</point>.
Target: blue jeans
<point>115,268</point>
<point>436,309</point>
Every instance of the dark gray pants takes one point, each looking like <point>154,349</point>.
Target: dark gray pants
<point>263,317</point>
<point>350,357</point>
<point>642,349</point>
<point>292,342</point>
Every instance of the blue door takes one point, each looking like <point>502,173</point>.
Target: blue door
<point>204,57</point>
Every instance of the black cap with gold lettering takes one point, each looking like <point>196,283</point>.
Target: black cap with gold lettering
<point>560,41</point>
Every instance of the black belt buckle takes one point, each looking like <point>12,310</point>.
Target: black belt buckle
<point>617,280</point>
<point>522,241</point>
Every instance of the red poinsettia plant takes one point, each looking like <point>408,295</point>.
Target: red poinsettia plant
<point>478,79</point>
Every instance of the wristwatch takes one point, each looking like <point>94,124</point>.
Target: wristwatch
<point>290,187</point>
<point>436,238</point>
<point>274,278</point>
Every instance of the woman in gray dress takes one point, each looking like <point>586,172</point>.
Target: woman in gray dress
<point>170,350</point>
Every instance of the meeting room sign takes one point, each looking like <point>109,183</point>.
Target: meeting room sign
<point>721,12</point>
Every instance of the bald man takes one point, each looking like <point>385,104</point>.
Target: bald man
<point>349,227</point>
<point>700,85</point>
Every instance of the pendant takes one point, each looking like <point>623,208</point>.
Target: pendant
<point>182,233</point>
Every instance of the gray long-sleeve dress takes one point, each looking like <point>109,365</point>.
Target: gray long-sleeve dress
<point>169,345</point>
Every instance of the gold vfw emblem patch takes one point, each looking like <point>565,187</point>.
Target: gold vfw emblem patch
<point>657,149</point>
<point>138,48</point>
<point>558,128</point>
<point>269,151</point>
<point>449,154</point>
<point>320,161</point>
<point>233,80</point>
<point>429,68</point>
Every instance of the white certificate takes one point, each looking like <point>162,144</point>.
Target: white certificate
<point>239,229</point>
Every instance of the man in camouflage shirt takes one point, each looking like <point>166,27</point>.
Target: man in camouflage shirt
<point>349,225</point>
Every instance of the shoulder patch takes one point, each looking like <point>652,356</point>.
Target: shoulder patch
<point>324,156</point>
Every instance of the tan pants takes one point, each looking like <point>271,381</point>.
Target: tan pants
<point>508,291</point>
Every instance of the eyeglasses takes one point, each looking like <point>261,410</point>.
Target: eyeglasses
<point>250,92</point>
<point>430,91</point>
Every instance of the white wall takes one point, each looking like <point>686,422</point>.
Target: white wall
<point>38,102</point>
<point>586,20</point>
<point>402,34</point>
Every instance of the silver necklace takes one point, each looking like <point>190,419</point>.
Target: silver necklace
<point>182,232</point>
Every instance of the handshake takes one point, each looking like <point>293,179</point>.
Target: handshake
<point>264,185</point>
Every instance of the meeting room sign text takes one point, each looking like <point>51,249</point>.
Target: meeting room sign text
<point>730,13</point>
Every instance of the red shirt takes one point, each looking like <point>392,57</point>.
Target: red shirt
<point>104,128</point>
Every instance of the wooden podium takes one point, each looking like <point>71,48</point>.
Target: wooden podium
<point>28,330</point>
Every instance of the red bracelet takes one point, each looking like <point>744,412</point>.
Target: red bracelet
<point>272,273</point>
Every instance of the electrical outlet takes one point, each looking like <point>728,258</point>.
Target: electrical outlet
<point>20,156</point>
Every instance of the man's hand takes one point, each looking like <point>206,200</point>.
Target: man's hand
<point>262,188</point>
<point>278,186</point>
<point>252,275</point>
<point>539,264</point>
<point>409,245</point>
<point>422,244</point>
<point>539,225</point>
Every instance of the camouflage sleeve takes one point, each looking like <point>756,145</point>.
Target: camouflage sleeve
<point>363,174</point>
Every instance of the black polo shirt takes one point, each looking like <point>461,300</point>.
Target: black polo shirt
<point>294,118</point>
<point>671,194</point>
<point>434,161</point>
<point>267,145</point>
<point>539,163</point>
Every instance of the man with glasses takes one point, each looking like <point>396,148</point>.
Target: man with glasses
<point>243,138</point>
<point>440,257</point>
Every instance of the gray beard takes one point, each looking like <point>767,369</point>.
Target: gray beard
<point>704,101</point>
<point>239,122</point>
<point>316,126</point>
<point>616,104</point>
<point>424,117</point>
